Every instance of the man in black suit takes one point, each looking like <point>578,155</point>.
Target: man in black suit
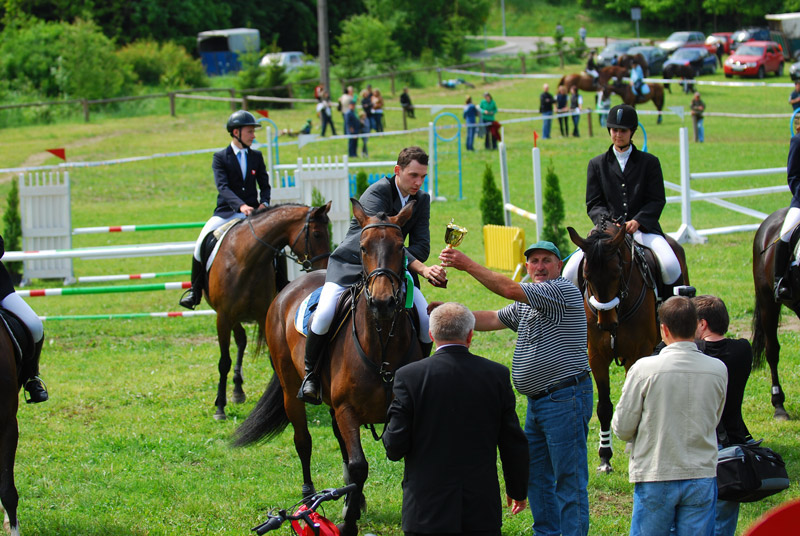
<point>240,176</point>
<point>388,195</point>
<point>450,483</point>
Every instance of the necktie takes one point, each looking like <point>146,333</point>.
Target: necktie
<point>243,163</point>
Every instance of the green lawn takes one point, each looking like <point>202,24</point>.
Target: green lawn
<point>127,445</point>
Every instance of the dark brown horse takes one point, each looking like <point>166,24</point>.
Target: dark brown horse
<point>9,431</point>
<point>625,91</point>
<point>586,82</point>
<point>376,338</point>
<point>242,281</point>
<point>627,61</point>
<point>767,312</point>
<point>621,322</point>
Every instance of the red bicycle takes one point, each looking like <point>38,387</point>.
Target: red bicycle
<point>306,521</point>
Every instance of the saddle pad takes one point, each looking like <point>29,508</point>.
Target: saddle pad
<point>219,234</point>
<point>304,311</point>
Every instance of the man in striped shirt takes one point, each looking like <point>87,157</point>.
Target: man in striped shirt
<point>551,367</point>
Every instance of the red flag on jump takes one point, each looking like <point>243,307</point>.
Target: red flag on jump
<point>61,153</point>
<point>535,137</point>
<point>265,113</point>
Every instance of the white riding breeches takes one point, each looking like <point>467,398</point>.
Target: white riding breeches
<point>791,221</point>
<point>17,305</point>
<point>329,297</point>
<point>211,225</point>
<point>667,261</point>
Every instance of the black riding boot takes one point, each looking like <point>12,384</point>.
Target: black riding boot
<point>191,298</point>
<point>783,280</point>
<point>310,388</point>
<point>37,392</point>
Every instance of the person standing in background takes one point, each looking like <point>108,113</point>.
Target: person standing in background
<point>698,107</point>
<point>575,106</point>
<point>488,111</point>
<point>325,113</point>
<point>471,114</point>
<point>546,102</point>
<point>562,107</point>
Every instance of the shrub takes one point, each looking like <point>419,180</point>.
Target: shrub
<point>554,230</point>
<point>166,64</point>
<point>361,183</point>
<point>12,228</point>
<point>28,54</point>
<point>491,200</point>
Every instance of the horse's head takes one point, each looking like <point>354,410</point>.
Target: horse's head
<point>603,271</point>
<point>312,244</point>
<point>383,258</point>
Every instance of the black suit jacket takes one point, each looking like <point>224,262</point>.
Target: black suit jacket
<point>344,265</point>
<point>450,415</point>
<point>635,194</point>
<point>234,191</point>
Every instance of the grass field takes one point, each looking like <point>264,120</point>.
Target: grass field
<point>127,444</point>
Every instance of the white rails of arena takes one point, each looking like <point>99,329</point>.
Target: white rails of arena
<point>687,232</point>
<point>508,207</point>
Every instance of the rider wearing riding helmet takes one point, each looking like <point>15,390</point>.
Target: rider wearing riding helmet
<point>624,184</point>
<point>10,301</point>
<point>238,169</point>
<point>388,195</point>
<point>591,67</point>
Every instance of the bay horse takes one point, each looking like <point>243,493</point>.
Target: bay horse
<point>620,303</point>
<point>586,82</point>
<point>375,339</point>
<point>627,61</point>
<point>9,431</point>
<point>242,281</point>
<point>767,312</point>
<point>625,91</point>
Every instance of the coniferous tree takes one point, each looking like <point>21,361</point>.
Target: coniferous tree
<point>554,230</point>
<point>491,200</point>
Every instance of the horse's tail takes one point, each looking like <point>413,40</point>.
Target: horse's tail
<point>267,420</point>
<point>759,338</point>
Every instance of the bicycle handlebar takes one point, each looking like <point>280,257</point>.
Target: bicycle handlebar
<point>276,520</point>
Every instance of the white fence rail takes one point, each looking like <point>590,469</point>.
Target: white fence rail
<point>508,207</point>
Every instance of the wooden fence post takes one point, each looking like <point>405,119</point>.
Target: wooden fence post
<point>405,113</point>
<point>561,57</point>
<point>85,104</point>
<point>291,95</point>
<point>172,103</point>
<point>522,60</point>
<point>392,75</point>
<point>591,134</point>
<point>439,72</point>
<point>244,102</point>
<point>233,96</point>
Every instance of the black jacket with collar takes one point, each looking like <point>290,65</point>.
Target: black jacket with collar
<point>635,194</point>
<point>234,191</point>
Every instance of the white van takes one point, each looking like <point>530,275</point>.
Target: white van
<point>288,60</point>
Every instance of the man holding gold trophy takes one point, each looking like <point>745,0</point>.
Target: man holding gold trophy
<point>551,367</point>
<point>388,195</point>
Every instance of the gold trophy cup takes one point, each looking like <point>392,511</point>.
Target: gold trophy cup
<point>453,236</point>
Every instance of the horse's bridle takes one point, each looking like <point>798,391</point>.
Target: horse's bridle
<point>307,262</point>
<point>395,278</point>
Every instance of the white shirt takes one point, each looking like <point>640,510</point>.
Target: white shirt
<point>403,200</point>
<point>622,157</point>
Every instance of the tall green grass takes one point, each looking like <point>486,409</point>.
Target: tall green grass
<point>127,444</point>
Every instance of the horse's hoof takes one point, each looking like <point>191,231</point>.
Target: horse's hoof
<point>238,397</point>
<point>605,468</point>
<point>219,415</point>
<point>781,415</point>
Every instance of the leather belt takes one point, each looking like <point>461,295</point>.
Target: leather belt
<point>569,382</point>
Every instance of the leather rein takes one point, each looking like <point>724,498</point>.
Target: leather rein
<point>307,261</point>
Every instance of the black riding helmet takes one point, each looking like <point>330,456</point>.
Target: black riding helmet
<point>622,116</point>
<point>239,119</point>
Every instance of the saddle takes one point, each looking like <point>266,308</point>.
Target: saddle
<point>212,241</point>
<point>20,336</point>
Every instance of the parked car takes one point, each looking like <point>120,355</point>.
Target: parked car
<point>794,71</point>
<point>717,40</point>
<point>698,58</point>
<point>749,34</point>
<point>288,60</point>
<point>683,40</point>
<point>755,58</point>
<point>654,55</point>
<point>608,56</point>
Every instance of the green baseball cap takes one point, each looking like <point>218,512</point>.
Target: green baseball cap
<point>545,245</point>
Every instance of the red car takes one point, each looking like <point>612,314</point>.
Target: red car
<point>755,58</point>
<point>719,39</point>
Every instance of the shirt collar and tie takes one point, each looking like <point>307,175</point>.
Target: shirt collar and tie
<point>241,156</point>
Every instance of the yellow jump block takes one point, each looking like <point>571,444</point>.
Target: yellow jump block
<point>504,247</point>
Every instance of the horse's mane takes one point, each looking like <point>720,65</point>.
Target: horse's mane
<point>268,208</point>
<point>595,251</point>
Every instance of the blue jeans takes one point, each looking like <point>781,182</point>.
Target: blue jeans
<point>471,129</point>
<point>726,518</point>
<point>547,124</point>
<point>576,118</point>
<point>689,505</point>
<point>701,134</point>
<point>557,426</point>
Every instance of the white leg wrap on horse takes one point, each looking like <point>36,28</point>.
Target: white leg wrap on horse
<point>422,313</point>
<point>570,270</point>
<point>605,440</point>
<point>789,223</point>
<point>323,316</point>
<point>667,261</point>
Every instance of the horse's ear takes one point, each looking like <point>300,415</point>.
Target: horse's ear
<point>320,212</point>
<point>619,237</point>
<point>403,216</point>
<point>575,237</point>
<point>358,212</point>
